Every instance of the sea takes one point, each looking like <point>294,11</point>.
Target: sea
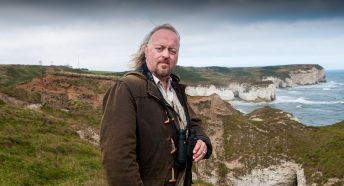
<point>315,105</point>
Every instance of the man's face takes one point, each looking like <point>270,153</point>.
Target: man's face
<point>162,53</point>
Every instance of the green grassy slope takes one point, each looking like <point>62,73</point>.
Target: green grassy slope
<point>277,137</point>
<point>42,147</point>
<point>11,75</point>
<point>38,149</point>
<point>267,137</point>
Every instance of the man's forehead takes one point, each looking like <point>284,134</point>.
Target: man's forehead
<point>164,34</point>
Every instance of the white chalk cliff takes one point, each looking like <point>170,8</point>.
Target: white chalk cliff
<point>299,77</point>
<point>250,92</point>
<point>243,91</point>
<point>287,174</point>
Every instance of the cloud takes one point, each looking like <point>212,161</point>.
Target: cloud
<point>103,34</point>
<point>49,11</point>
<point>266,43</point>
<point>92,45</point>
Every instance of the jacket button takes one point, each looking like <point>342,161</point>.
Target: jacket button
<point>174,149</point>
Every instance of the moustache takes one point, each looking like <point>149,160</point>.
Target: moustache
<point>165,61</point>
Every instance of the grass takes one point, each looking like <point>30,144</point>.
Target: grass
<point>265,143</point>
<point>190,74</point>
<point>201,183</point>
<point>222,76</point>
<point>11,75</point>
<point>2,102</point>
<point>42,147</point>
<point>84,115</point>
<point>37,149</point>
<point>326,153</point>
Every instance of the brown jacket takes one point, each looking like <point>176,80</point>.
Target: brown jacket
<point>135,141</point>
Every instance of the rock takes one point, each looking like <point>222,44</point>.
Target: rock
<point>257,93</point>
<point>299,77</point>
<point>307,77</point>
<point>89,135</point>
<point>286,174</point>
<point>243,91</point>
<point>241,169</point>
<point>225,93</point>
<point>12,100</point>
<point>34,106</point>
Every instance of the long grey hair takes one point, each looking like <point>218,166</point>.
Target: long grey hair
<point>139,57</point>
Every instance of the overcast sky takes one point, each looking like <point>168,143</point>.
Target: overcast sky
<point>102,35</point>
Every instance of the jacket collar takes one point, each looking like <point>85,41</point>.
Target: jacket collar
<point>152,89</point>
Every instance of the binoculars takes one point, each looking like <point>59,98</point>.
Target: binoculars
<point>185,146</point>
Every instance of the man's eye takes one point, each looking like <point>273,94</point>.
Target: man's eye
<point>173,52</point>
<point>159,49</point>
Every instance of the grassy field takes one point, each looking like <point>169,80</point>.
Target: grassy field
<point>38,149</point>
<point>42,147</point>
<point>318,149</point>
<point>11,75</point>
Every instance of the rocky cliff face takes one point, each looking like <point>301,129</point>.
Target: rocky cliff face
<point>266,92</point>
<point>65,91</point>
<point>266,147</point>
<point>244,91</point>
<point>221,169</point>
<point>299,77</point>
<point>286,174</point>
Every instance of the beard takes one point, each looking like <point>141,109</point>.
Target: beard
<point>163,71</point>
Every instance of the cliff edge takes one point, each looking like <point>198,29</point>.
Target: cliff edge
<point>267,147</point>
<point>253,84</point>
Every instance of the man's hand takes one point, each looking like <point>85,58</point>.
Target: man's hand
<point>199,151</point>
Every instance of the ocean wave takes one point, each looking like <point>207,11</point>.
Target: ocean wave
<point>242,110</point>
<point>335,83</point>
<point>285,91</point>
<point>287,99</point>
<point>330,84</point>
<point>243,103</point>
<point>302,100</point>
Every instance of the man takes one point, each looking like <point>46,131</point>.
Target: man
<point>147,127</point>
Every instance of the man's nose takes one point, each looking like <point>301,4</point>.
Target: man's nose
<point>166,53</point>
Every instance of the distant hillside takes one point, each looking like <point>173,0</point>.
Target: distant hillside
<point>16,80</point>
<point>13,74</point>
<point>222,76</point>
<point>252,84</point>
<point>249,84</point>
